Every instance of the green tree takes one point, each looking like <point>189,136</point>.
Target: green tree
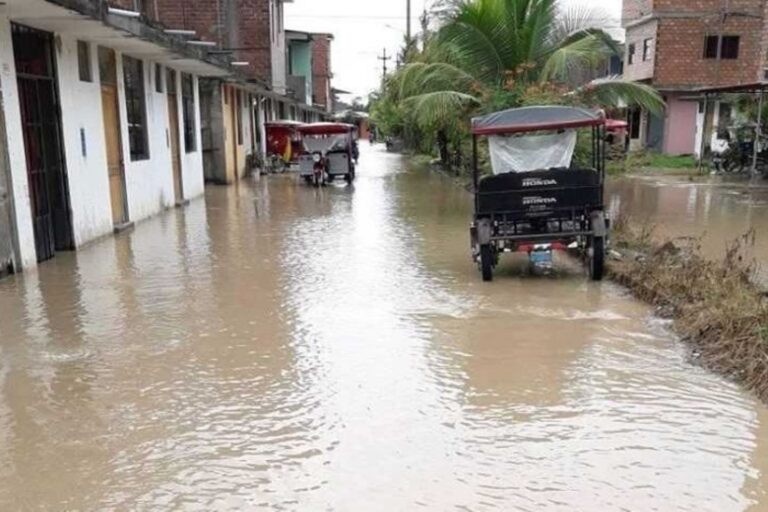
<point>490,54</point>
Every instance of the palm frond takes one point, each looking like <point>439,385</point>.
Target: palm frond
<point>577,18</point>
<point>419,78</point>
<point>439,108</point>
<point>616,92</point>
<point>584,49</point>
<point>472,48</point>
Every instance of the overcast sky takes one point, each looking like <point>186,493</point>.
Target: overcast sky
<point>363,28</point>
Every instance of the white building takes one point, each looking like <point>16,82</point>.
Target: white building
<point>102,123</point>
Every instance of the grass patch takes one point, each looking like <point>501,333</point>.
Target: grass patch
<point>647,163</point>
<point>659,161</point>
<point>715,305</point>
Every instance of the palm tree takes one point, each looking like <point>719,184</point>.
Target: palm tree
<point>490,47</point>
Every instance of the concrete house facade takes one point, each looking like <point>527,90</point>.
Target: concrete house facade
<point>682,46</point>
<point>100,125</point>
<point>252,34</point>
<point>299,62</point>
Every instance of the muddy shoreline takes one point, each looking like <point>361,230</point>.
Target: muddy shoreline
<point>715,306</point>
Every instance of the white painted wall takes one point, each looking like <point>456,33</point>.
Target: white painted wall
<point>192,162</point>
<point>81,109</point>
<point>261,103</point>
<point>247,124</point>
<point>149,183</point>
<point>279,67</point>
<point>699,132</point>
<point>16,155</point>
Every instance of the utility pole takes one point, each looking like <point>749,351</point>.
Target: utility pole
<point>408,17</point>
<point>384,58</point>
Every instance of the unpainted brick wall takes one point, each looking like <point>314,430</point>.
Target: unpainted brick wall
<point>632,10</point>
<point>680,52</point>
<point>240,24</point>
<point>679,41</point>
<point>321,69</point>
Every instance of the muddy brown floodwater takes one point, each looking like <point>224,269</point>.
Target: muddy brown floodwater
<point>713,210</point>
<point>282,347</point>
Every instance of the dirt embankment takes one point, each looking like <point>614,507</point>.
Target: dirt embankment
<point>716,306</point>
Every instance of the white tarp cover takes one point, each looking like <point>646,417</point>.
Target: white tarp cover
<point>527,153</point>
<point>326,143</point>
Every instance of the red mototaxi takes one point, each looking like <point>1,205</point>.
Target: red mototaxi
<point>284,140</point>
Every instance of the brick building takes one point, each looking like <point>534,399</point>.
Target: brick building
<point>321,71</point>
<point>682,46</point>
<point>251,34</point>
<point>252,29</point>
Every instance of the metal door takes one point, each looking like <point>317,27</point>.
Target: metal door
<point>173,126</point>
<point>41,125</point>
<point>112,138</point>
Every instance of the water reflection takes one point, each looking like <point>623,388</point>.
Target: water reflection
<point>716,211</point>
<point>290,348</point>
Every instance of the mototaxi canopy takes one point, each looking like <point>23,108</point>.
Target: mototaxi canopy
<point>326,128</point>
<point>284,123</point>
<point>534,138</point>
<point>533,119</point>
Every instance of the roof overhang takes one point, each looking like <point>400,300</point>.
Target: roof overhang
<point>754,87</point>
<point>298,36</point>
<point>94,22</point>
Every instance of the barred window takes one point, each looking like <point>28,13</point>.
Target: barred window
<point>133,71</point>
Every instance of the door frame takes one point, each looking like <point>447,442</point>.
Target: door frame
<point>126,213</point>
<point>172,93</point>
<point>63,179</point>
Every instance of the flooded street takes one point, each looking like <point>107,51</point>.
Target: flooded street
<point>717,214</point>
<point>289,348</point>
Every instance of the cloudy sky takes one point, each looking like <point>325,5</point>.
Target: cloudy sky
<point>363,28</point>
